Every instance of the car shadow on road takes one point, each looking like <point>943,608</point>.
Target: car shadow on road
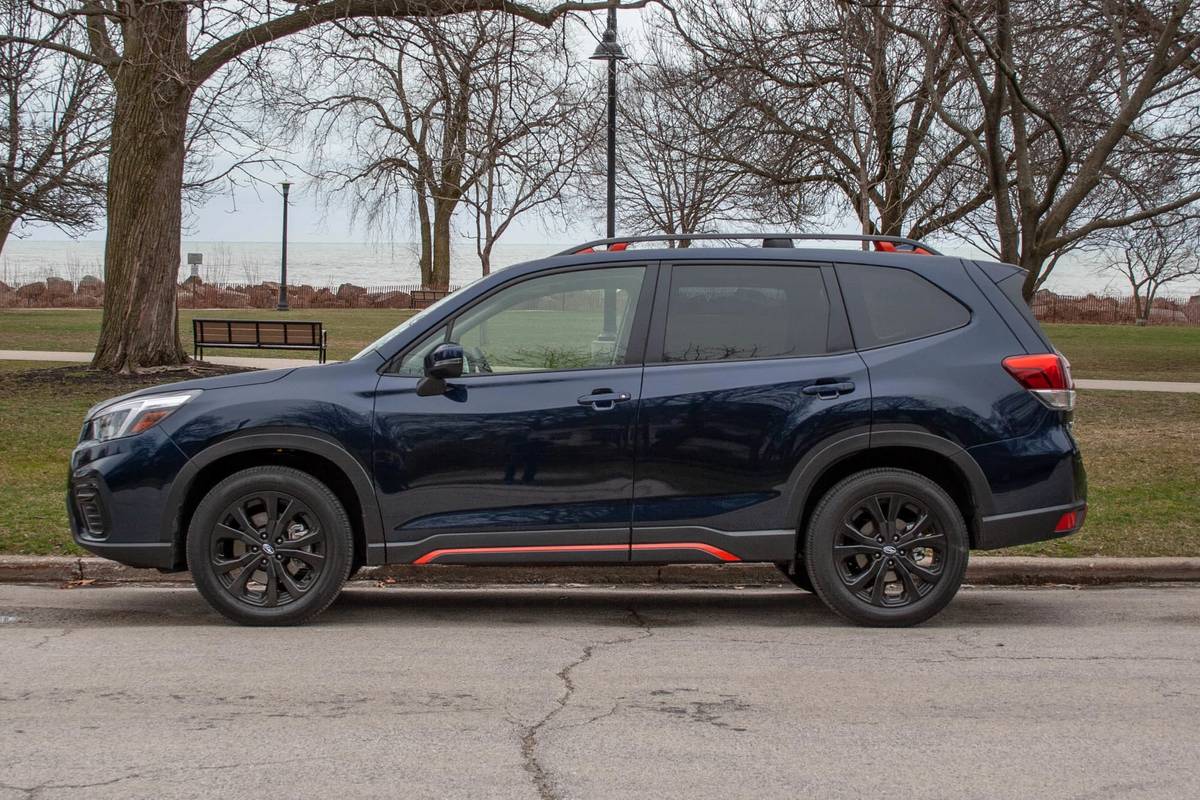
<point>677,607</point>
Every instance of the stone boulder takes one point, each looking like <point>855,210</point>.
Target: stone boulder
<point>193,282</point>
<point>83,301</point>
<point>263,296</point>
<point>350,294</point>
<point>227,298</point>
<point>57,288</point>
<point>326,299</point>
<point>390,300</point>
<point>32,292</point>
<point>90,285</point>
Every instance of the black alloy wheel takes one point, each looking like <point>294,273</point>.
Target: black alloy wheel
<point>887,547</point>
<point>268,549</point>
<point>889,551</point>
<point>270,546</point>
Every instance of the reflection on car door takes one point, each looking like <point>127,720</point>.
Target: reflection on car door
<point>529,455</point>
<point>749,367</point>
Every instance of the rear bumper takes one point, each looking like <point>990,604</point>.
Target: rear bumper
<point>1023,527</point>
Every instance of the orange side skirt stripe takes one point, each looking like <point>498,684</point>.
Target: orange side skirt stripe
<point>716,552</point>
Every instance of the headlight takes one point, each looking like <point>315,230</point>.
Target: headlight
<point>132,416</point>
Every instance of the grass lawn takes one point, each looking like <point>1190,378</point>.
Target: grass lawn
<point>1140,448</point>
<point>1126,352</point>
<point>1096,351</point>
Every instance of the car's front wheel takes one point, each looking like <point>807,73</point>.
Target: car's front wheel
<point>887,547</point>
<point>270,546</point>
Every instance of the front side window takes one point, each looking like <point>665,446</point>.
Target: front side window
<point>568,320</point>
<point>737,312</point>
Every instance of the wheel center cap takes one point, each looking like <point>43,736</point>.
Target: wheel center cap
<point>887,550</point>
<point>268,548</point>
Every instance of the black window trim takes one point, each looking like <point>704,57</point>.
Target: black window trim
<point>634,353</point>
<point>837,332</point>
<point>970,311</point>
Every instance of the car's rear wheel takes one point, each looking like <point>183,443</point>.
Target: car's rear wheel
<point>886,547</point>
<point>270,546</point>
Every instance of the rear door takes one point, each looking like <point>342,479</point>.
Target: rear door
<point>749,368</point>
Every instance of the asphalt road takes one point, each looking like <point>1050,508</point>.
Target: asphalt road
<point>592,693</point>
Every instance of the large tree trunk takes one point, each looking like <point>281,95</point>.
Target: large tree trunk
<point>6,225</point>
<point>443,212</point>
<point>145,181</point>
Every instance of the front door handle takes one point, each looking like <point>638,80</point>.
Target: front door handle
<point>604,399</point>
<point>828,391</point>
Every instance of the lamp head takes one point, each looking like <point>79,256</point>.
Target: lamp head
<point>609,48</point>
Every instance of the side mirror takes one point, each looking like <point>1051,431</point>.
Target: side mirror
<point>443,363</point>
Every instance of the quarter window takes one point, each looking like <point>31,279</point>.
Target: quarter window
<point>889,305</point>
<point>733,312</point>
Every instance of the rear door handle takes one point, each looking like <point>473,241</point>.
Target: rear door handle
<point>604,399</point>
<point>828,391</point>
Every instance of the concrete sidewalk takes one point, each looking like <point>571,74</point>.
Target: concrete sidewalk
<point>68,357</point>
<point>282,363</point>
<point>982,571</point>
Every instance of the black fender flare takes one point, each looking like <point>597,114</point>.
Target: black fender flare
<point>305,441</point>
<point>810,470</point>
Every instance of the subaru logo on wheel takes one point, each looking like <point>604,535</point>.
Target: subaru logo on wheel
<point>268,548</point>
<point>888,550</point>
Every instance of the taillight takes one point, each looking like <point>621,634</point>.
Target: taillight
<point>1047,376</point>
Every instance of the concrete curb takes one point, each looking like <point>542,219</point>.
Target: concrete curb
<point>983,571</point>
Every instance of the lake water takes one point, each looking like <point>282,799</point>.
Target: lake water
<point>333,263</point>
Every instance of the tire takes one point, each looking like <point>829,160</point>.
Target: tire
<point>258,567</point>
<point>877,577</point>
<point>797,573</point>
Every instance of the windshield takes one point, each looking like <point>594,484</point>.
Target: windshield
<point>413,320</point>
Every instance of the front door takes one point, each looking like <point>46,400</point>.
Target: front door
<point>749,370</point>
<point>528,456</point>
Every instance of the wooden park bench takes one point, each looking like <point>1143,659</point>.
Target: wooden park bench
<point>249,334</point>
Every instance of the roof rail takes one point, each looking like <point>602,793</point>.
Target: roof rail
<point>883,243</point>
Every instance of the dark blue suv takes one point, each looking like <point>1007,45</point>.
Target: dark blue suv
<point>862,419</point>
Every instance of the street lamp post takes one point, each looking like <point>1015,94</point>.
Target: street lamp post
<point>610,50</point>
<point>283,303</point>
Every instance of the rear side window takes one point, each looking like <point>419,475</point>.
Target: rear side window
<point>889,305</point>
<point>735,312</point>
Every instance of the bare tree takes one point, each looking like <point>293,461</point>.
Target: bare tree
<point>157,55</point>
<point>834,98</point>
<point>1152,254</point>
<point>1074,111</point>
<point>470,113</point>
<point>666,182</point>
<point>529,133</point>
<point>53,134</point>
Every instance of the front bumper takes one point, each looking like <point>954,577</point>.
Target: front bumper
<point>117,499</point>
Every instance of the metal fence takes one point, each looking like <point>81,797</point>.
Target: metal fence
<point>1106,310</point>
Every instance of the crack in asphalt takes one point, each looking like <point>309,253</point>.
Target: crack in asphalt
<point>529,733</point>
<point>32,792</point>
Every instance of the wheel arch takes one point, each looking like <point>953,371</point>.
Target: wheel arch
<point>935,457</point>
<point>311,452</point>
